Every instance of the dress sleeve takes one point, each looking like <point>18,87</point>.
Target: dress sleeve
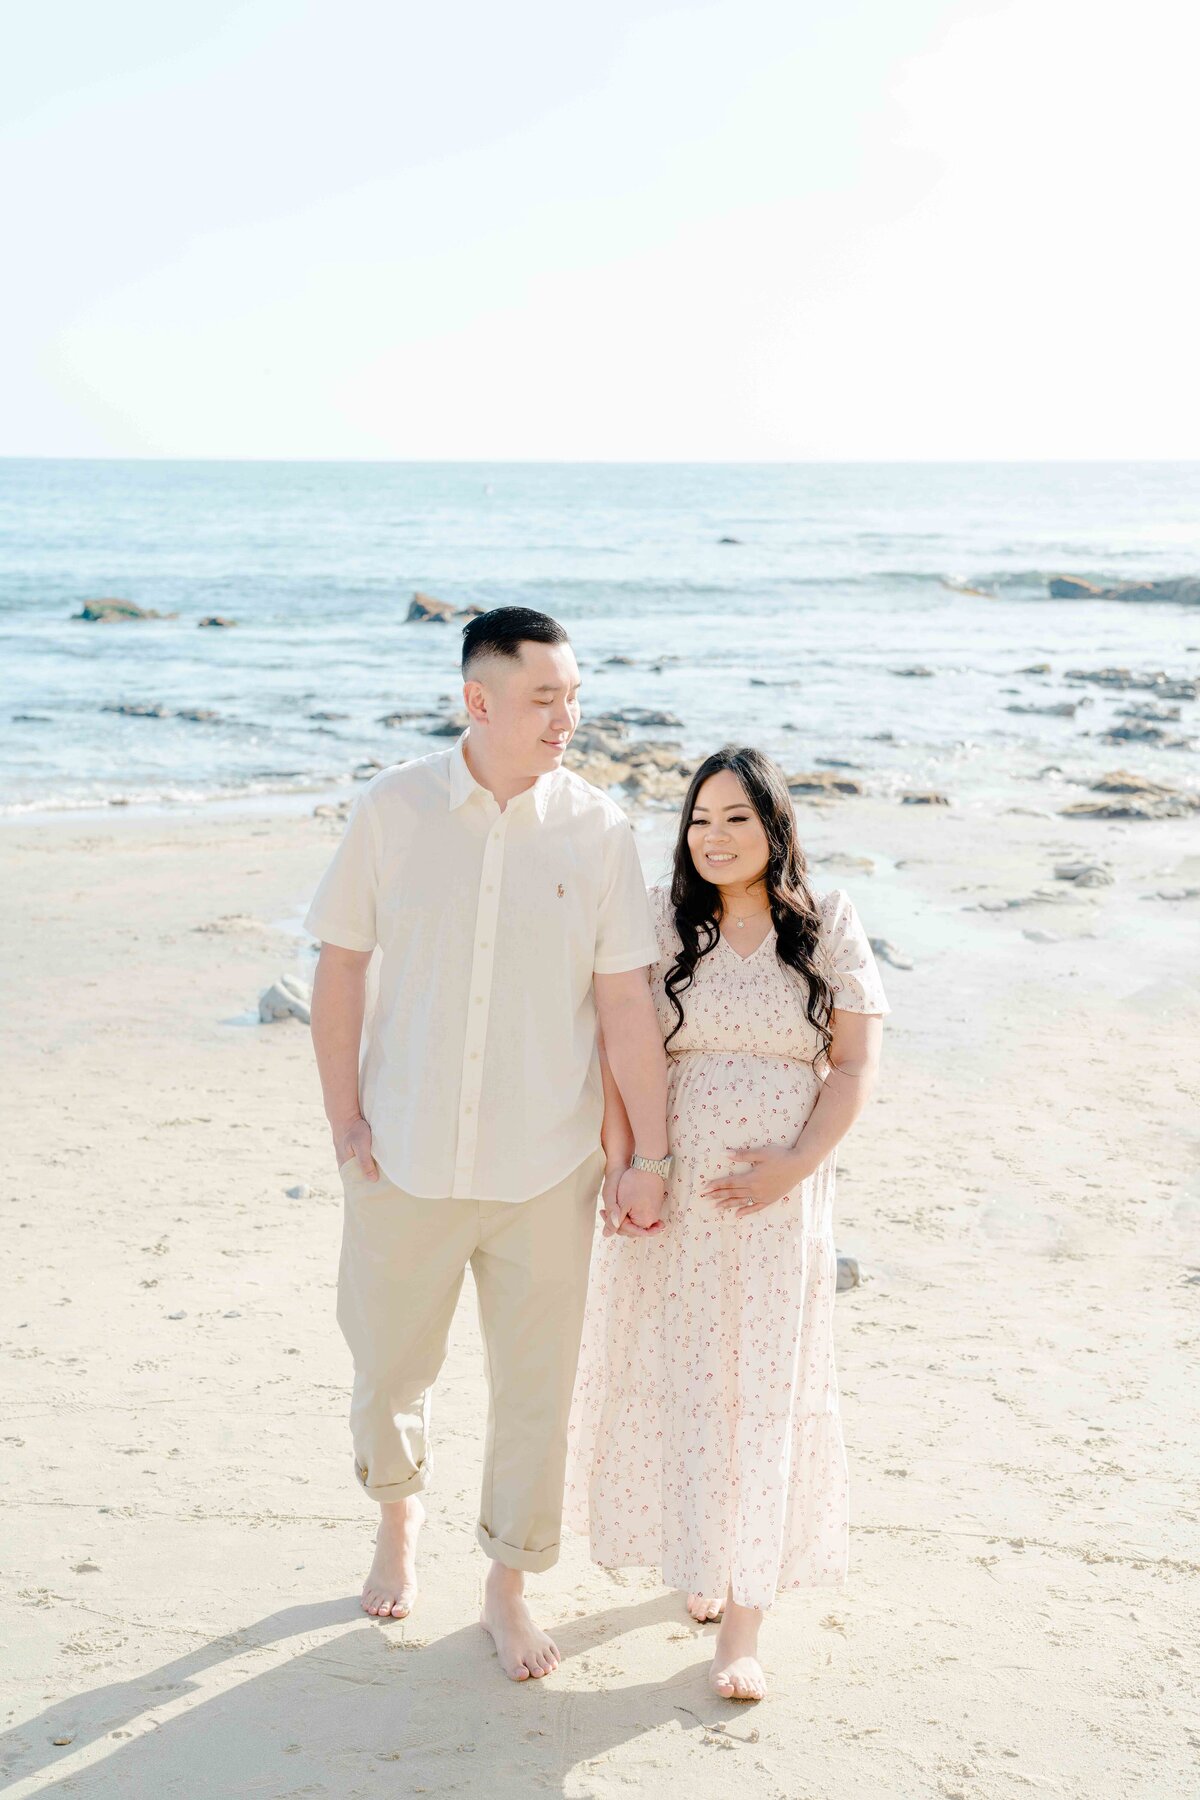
<point>850,960</point>
<point>342,911</point>
<point>625,926</point>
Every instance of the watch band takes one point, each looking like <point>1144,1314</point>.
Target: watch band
<point>654,1165</point>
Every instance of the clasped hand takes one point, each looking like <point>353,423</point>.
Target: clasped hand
<point>631,1202</point>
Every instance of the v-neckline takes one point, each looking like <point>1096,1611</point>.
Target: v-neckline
<point>750,955</point>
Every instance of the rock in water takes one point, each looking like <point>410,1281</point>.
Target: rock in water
<point>110,612</point>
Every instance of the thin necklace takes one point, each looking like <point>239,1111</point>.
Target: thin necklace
<point>740,923</point>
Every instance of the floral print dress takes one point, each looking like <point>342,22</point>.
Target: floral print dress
<point>705,1432</point>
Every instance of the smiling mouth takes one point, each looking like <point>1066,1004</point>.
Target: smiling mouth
<point>720,856</point>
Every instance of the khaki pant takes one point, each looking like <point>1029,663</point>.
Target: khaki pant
<point>402,1266</point>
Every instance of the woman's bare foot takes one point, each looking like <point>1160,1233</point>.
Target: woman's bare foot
<point>704,1609</point>
<point>525,1652</point>
<point>391,1588</point>
<point>736,1673</point>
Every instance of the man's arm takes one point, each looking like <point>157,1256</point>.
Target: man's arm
<point>338,1000</point>
<point>634,1049</point>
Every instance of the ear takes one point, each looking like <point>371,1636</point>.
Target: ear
<point>475,701</point>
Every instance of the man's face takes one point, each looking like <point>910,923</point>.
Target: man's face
<point>530,703</point>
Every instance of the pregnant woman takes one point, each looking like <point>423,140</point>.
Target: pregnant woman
<point>705,1434</point>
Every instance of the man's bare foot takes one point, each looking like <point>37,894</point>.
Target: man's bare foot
<point>736,1673</point>
<point>391,1588</point>
<point>704,1609</point>
<point>525,1652</point>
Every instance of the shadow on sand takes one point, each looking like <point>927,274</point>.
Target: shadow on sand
<point>362,1711</point>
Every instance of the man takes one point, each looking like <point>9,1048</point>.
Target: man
<point>508,904</point>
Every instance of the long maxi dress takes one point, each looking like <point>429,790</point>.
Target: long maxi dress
<point>705,1433</point>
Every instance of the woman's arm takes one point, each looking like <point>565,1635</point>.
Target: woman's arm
<point>853,1066</point>
<point>616,1133</point>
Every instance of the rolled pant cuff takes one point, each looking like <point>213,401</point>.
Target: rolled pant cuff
<point>531,1561</point>
<point>386,1492</point>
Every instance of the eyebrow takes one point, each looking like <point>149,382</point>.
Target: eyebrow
<point>737,806</point>
<point>552,687</point>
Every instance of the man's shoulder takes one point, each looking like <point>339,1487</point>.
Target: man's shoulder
<point>583,799</point>
<point>409,782</point>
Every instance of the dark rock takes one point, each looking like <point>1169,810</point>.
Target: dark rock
<point>1150,709</point>
<point>326,716</point>
<point>917,669</point>
<point>643,716</point>
<point>450,727</point>
<point>822,781</point>
<point>729,540</point>
<point>925,798</point>
<point>424,608</point>
<point>626,661</point>
<point>198,715</point>
<point>1155,681</point>
<point>109,612</point>
<point>139,709</point>
<point>1179,590</point>
<point>216,619</point>
<point>394,718</point>
<point>1069,587</point>
<point>1035,669</point>
<point>1134,797</point>
<point>1059,709</point>
<point>1143,731</point>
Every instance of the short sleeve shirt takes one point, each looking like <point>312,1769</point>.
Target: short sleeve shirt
<point>479,1073</point>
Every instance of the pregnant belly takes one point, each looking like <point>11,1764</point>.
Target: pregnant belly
<point>721,1100</point>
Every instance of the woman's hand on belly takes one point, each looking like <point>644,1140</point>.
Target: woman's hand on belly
<point>761,1176</point>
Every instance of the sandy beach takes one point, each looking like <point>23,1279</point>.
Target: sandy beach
<point>183,1539</point>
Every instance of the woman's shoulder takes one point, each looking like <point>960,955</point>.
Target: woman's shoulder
<point>664,916</point>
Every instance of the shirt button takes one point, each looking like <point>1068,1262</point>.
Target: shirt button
<point>479,999</point>
<point>474,1056</point>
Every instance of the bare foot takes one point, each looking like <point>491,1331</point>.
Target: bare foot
<point>736,1673</point>
<point>703,1609</point>
<point>391,1588</point>
<point>525,1652</point>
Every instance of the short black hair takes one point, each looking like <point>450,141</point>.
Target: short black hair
<point>502,631</point>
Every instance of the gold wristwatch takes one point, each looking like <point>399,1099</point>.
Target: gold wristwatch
<point>653,1165</point>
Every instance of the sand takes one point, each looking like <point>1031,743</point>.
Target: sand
<point>183,1541</point>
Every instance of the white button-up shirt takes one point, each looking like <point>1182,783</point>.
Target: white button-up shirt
<point>479,1072</point>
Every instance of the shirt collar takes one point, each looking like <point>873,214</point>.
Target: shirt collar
<point>463,784</point>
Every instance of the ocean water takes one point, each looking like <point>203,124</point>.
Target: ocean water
<point>843,574</point>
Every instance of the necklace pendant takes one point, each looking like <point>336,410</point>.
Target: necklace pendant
<point>741,924</point>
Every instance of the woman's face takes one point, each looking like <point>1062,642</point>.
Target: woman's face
<point>725,835</point>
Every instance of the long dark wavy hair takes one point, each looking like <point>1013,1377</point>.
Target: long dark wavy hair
<point>797,921</point>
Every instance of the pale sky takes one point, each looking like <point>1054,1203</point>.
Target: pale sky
<point>756,229</point>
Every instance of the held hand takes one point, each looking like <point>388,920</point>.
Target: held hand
<point>609,1210</point>
<point>641,1197</point>
<point>760,1177</point>
<point>354,1140</point>
<point>616,1201</point>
